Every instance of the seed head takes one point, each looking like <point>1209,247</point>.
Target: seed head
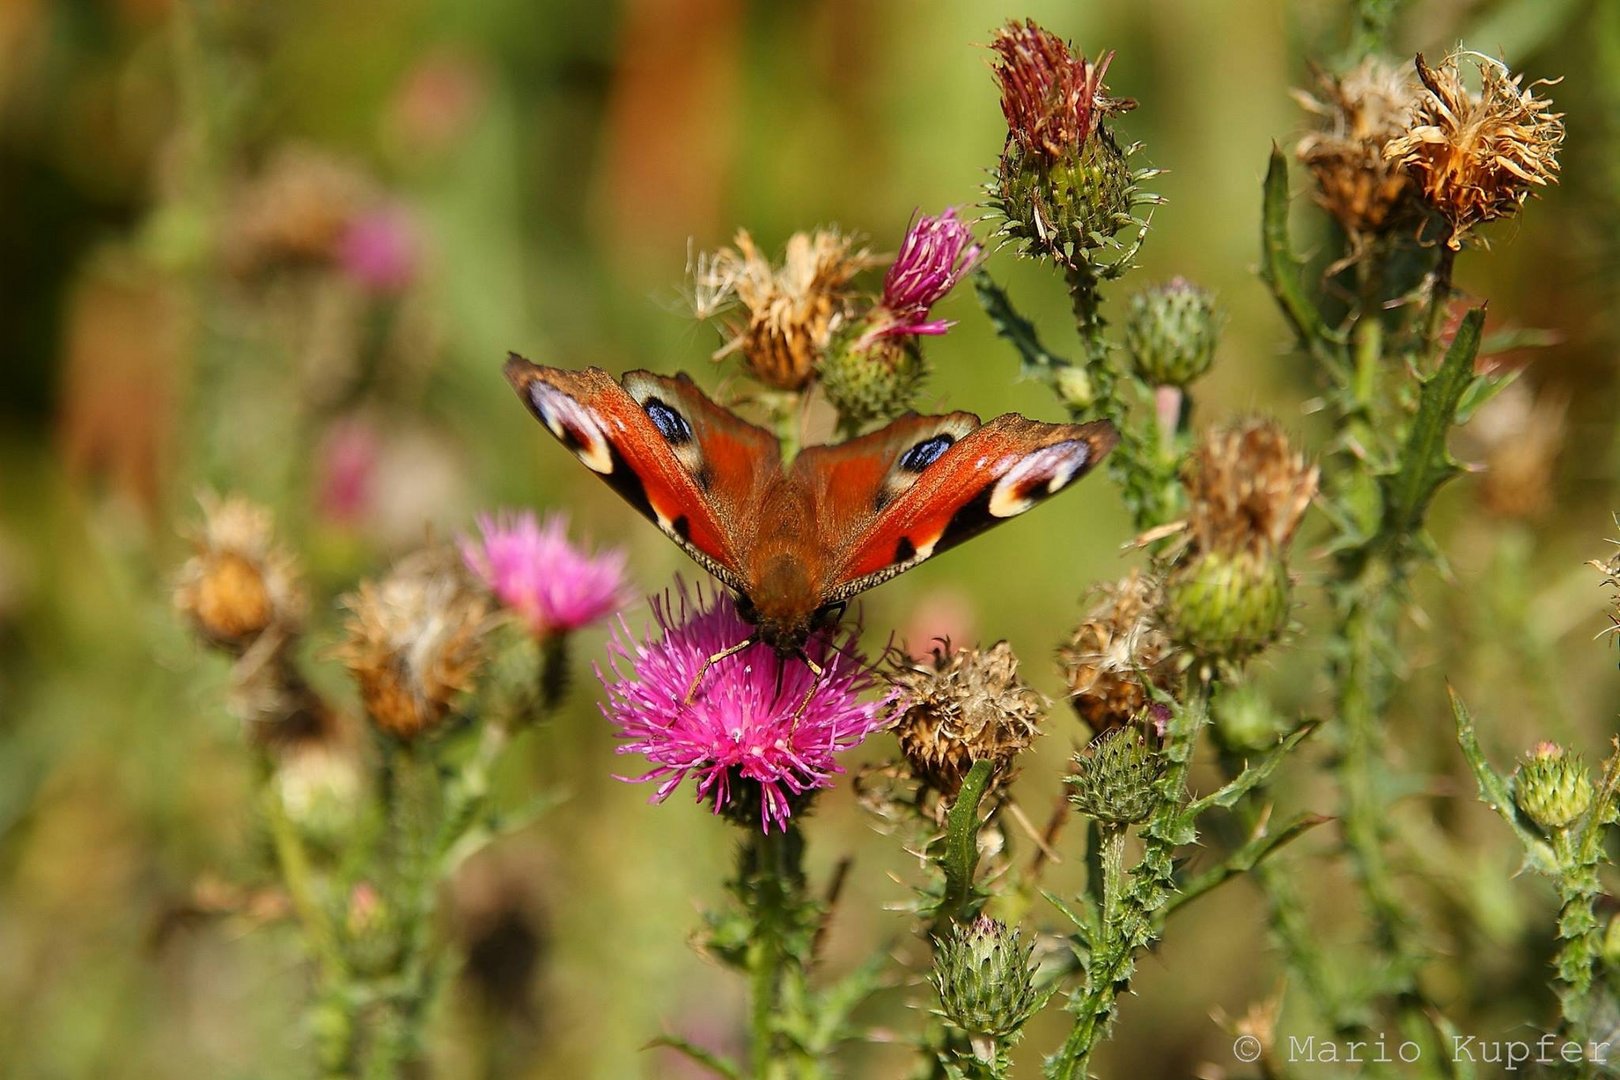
<point>415,641</point>
<point>1358,114</point>
<point>1476,158</point>
<point>787,314</point>
<point>964,706</point>
<point>1116,654</point>
<point>239,583</point>
<point>1247,488</point>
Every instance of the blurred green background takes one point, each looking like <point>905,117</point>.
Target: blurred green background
<point>171,317</point>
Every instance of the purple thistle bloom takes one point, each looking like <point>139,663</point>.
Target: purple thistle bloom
<point>756,719</point>
<point>379,250</point>
<point>533,569</point>
<point>936,253</point>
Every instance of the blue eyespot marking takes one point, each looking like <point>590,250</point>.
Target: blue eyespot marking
<point>670,424</point>
<point>925,453</point>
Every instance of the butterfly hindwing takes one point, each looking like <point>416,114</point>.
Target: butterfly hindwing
<point>690,466</point>
<point>924,484</point>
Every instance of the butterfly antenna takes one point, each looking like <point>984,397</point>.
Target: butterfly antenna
<point>733,650</point>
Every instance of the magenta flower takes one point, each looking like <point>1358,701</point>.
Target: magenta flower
<point>937,253</point>
<point>379,250</point>
<point>756,720</point>
<point>534,570</point>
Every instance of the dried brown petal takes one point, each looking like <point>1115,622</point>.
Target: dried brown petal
<point>1116,654</point>
<point>1477,158</point>
<point>240,583</point>
<point>961,707</point>
<point>1247,488</point>
<point>1359,113</point>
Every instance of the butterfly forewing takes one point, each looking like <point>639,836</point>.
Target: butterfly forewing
<point>937,488</point>
<point>685,463</point>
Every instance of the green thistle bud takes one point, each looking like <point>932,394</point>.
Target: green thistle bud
<point>371,932</point>
<point>985,980</point>
<point>1069,205</point>
<point>1073,385</point>
<point>1243,718</point>
<point>871,380</point>
<point>1227,605</point>
<point>1171,331</point>
<point>1553,787</point>
<point>1115,777</point>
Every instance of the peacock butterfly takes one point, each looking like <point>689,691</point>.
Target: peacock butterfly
<point>796,541</point>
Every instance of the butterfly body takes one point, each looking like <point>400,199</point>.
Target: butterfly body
<point>796,541</point>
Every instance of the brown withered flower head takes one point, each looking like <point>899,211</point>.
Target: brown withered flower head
<point>240,583</point>
<point>297,210</point>
<point>1247,488</point>
<point>1117,654</point>
<point>1477,158</point>
<point>1226,596</point>
<point>1052,98</point>
<point>788,312</point>
<point>1358,113</point>
<point>415,641</point>
<point>962,706</point>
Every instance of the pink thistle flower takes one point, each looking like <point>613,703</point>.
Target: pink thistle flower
<point>937,253</point>
<point>758,720</point>
<point>532,568</point>
<point>378,250</point>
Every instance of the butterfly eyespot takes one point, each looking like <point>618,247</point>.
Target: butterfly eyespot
<point>925,453</point>
<point>670,424</point>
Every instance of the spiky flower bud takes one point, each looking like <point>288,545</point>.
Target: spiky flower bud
<point>1064,185</point>
<point>1242,718</point>
<point>1553,787</point>
<point>1227,604</point>
<point>1171,331</point>
<point>789,313</point>
<point>1358,114</point>
<point>371,932</point>
<point>1114,777</point>
<point>1116,654</point>
<point>963,707</point>
<point>868,380</point>
<point>985,980</point>
<point>1477,158</point>
<point>415,642</point>
<point>240,583</point>
<point>1226,596</point>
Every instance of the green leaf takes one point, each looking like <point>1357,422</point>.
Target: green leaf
<point>1425,463</point>
<point>1280,271</point>
<point>1253,776</point>
<point>1493,787</point>
<point>1257,849</point>
<point>835,1004</point>
<point>1017,331</point>
<point>961,856</point>
<point>1080,921</point>
<point>706,1058</point>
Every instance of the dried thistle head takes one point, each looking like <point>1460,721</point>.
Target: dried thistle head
<point>788,313</point>
<point>239,583</point>
<point>1519,434</point>
<point>1247,488</point>
<point>962,706</point>
<point>1052,97</point>
<point>297,210</point>
<point>1116,654</point>
<point>1477,157</point>
<point>1358,113</point>
<point>415,641</point>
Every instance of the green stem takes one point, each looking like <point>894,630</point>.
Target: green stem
<point>771,886</point>
<point>1439,300</point>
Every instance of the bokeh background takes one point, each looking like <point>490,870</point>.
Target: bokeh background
<point>281,249</point>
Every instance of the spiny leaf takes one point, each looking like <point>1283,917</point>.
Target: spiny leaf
<point>1280,271</point>
<point>961,855</point>
<point>1425,463</point>
<point>1017,331</point>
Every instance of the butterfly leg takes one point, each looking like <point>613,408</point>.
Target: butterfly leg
<point>733,650</point>
<point>817,671</point>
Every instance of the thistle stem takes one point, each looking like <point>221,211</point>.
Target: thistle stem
<point>771,885</point>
